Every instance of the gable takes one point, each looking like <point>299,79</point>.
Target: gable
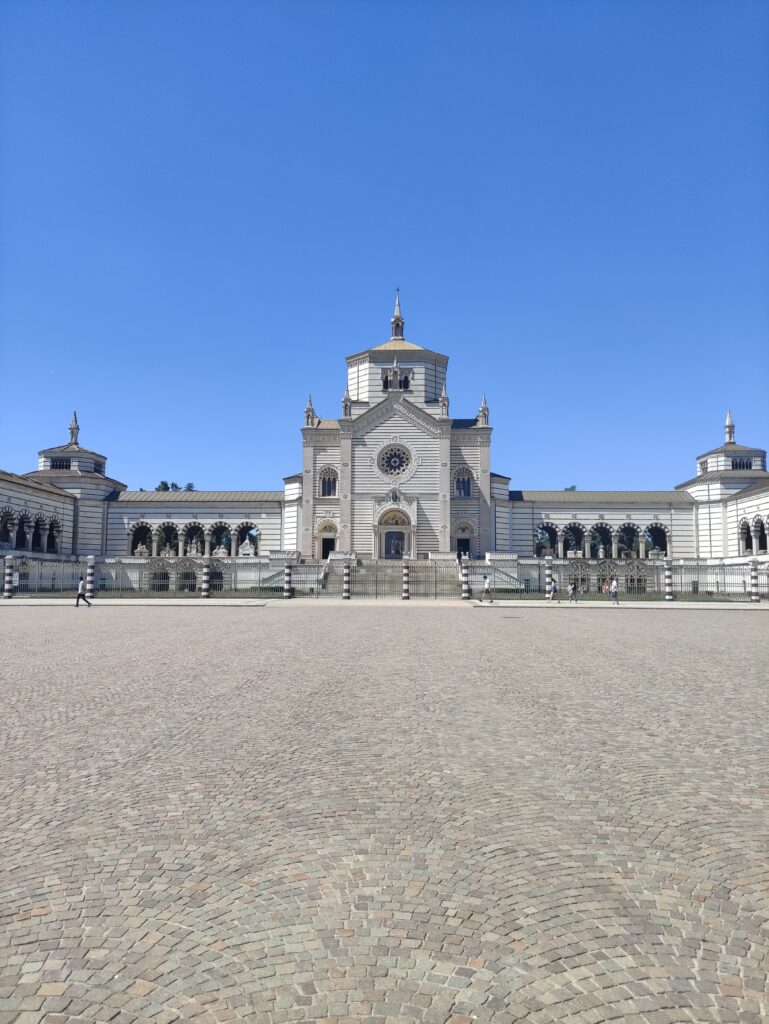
<point>395,413</point>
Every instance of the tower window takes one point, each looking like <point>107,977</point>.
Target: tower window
<point>703,466</point>
<point>463,485</point>
<point>742,463</point>
<point>60,463</point>
<point>98,467</point>
<point>328,481</point>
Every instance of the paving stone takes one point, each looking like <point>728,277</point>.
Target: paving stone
<point>383,814</point>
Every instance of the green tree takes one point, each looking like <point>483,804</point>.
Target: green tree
<point>189,487</point>
<point>163,486</point>
<point>175,487</point>
<point>571,487</point>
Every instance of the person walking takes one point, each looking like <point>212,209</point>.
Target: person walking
<point>81,594</point>
<point>487,590</point>
<point>573,593</point>
<point>614,591</point>
<point>553,595</point>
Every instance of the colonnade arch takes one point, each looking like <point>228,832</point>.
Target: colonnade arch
<point>179,539</point>
<point>601,540</point>
<point>753,537</point>
<point>23,530</point>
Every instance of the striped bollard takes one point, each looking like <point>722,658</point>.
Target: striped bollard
<point>286,582</point>
<point>405,592</point>
<point>205,580</point>
<point>668,580</point>
<point>346,581</point>
<point>465,580</point>
<point>754,594</point>
<point>89,573</point>
<point>548,574</point>
<point>8,578</point>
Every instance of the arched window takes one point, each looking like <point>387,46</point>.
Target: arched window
<point>327,482</point>
<point>742,463</point>
<point>463,484</point>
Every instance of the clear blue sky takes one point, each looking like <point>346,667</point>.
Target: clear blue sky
<point>204,206</point>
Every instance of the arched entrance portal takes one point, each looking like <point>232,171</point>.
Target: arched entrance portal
<point>326,540</point>
<point>395,535</point>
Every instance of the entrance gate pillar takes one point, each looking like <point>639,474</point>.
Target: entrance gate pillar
<point>668,579</point>
<point>8,578</point>
<point>346,581</point>
<point>548,573</point>
<point>287,581</point>
<point>405,595</point>
<point>754,594</point>
<point>89,573</point>
<point>465,580</point>
<point>205,580</point>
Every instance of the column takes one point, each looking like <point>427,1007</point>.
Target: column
<point>641,544</point>
<point>587,543</point>
<point>8,578</point>
<point>405,593</point>
<point>444,487</point>
<point>669,544</point>
<point>89,572</point>
<point>155,543</point>
<point>560,545</point>
<point>346,581</point>
<point>28,531</point>
<point>755,533</point>
<point>181,545</point>
<point>345,488</point>
<point>287,581</point>
<point>668,579</point>
<point>129,540</point>
<point>234,543</point>
<point>615,545</point>
<point>207,543</point>
<point>754,594</point>
<point>205,580</point>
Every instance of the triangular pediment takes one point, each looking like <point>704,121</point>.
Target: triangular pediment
<point>395,408</point>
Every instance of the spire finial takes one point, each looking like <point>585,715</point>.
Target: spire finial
<point>309,413</point>
<point>74,429</point>
<point>483,413</point>
<point>729,428</point>
<point>396,319</point>
<point>444,401</point>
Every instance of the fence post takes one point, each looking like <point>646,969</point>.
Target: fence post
<point>405,594</point>
<point>346,581</point>
<point>548,574</point>
<point>668,579</point>
<point>8,578</point>
<point>205,579</point>
<point>754,594</point>
<point>89,572</point>
<point>465,580</point>
<point>287,581</point>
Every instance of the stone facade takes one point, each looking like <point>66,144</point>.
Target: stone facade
<point>395,476</point>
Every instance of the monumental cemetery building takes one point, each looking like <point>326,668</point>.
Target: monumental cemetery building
<point>395,476</point>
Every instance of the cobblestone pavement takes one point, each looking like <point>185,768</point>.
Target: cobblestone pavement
<point>383,814</point>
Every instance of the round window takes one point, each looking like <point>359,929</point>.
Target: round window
<point>394,460</point>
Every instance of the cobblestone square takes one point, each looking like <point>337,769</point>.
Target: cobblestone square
<point>368,813</point>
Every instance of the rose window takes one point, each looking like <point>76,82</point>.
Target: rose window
<point>394,460</point>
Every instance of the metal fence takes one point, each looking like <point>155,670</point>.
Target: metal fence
<point>47,578</point>
<point>524,578</point>
<point>697,582</point>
